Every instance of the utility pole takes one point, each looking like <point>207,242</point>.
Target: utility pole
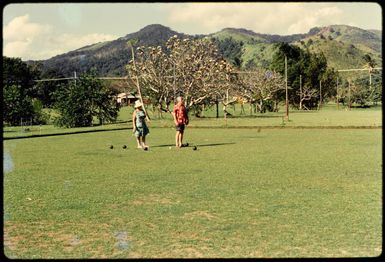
<point>300,92</point>
<point>227,102</point>
<point>320,95</point>
<point>370,81</point>
<point>350,103</point>
<point>174,86</point>
<point>287,100</point>
<point>337,95</point>
<point>137,81</point>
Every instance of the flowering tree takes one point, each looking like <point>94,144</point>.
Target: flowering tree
<point>152,68</point>
<point>193,69</point>
<point>201,74</point>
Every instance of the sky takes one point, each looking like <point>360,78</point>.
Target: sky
<point>41,30</point>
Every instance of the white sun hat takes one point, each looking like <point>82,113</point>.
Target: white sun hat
<point>138,104</point>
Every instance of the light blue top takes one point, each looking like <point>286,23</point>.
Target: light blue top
<point>140,119</point>
<point>141,127</point>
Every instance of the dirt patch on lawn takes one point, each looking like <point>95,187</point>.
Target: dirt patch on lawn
<point>199,214</point>
<point>63,240</point>
<point>155,199</point>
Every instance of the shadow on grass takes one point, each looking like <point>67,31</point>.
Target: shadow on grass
<point>217,144</point>
<point>258,116</point>
<point>164,145</point>
<point>240,116</point>
<point>67,133</point>
<point>117,122</point>
<point>191,145</point>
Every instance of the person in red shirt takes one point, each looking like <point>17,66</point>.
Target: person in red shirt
<point>180,119</point>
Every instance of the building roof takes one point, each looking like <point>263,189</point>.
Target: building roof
<point>126,95</point>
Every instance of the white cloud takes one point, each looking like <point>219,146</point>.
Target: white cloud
<point>20,28</point>
<point>29,40</point>
<point>272,18</point>
<point>16,48</point>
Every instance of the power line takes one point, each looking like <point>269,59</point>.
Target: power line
<point>54,79</point>
<point>144,75</point>
<point>74,78</point>
<point>121,78</point>
<point>360,69</point>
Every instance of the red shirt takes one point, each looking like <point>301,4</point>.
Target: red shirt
<point>180,113</point>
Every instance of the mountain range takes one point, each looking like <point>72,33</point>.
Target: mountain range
<point>343,46</point>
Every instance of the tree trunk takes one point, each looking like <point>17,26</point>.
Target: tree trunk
<point>275,106</point>
<point>259,106</point>
<point>160,115</point>
<point>216,103</point>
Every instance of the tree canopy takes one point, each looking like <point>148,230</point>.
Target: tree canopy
<point>18,92</point>
<point>82,100</point>
<point>311,68</point>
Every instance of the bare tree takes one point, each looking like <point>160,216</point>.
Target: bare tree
<point>307,94</point>
<point>262,85</point>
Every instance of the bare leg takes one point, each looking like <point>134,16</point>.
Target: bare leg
<point>181,139</point>
<point>177,139</point>
<point>138,141</point>
<point>144,141</point>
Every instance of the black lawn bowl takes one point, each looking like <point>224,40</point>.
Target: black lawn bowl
<point>111,147</point>
<point>124,146</point>
<point>195,148</point>
<point>145,149</point>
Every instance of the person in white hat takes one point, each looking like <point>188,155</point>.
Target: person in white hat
<point>139,125</point>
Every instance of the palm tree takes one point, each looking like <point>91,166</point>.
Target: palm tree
<point>369,63</point>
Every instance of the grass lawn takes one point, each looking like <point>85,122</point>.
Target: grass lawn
<point>243,193</point>
<point>327,116</point>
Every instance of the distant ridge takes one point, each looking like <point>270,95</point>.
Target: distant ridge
<point>342,45</point>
